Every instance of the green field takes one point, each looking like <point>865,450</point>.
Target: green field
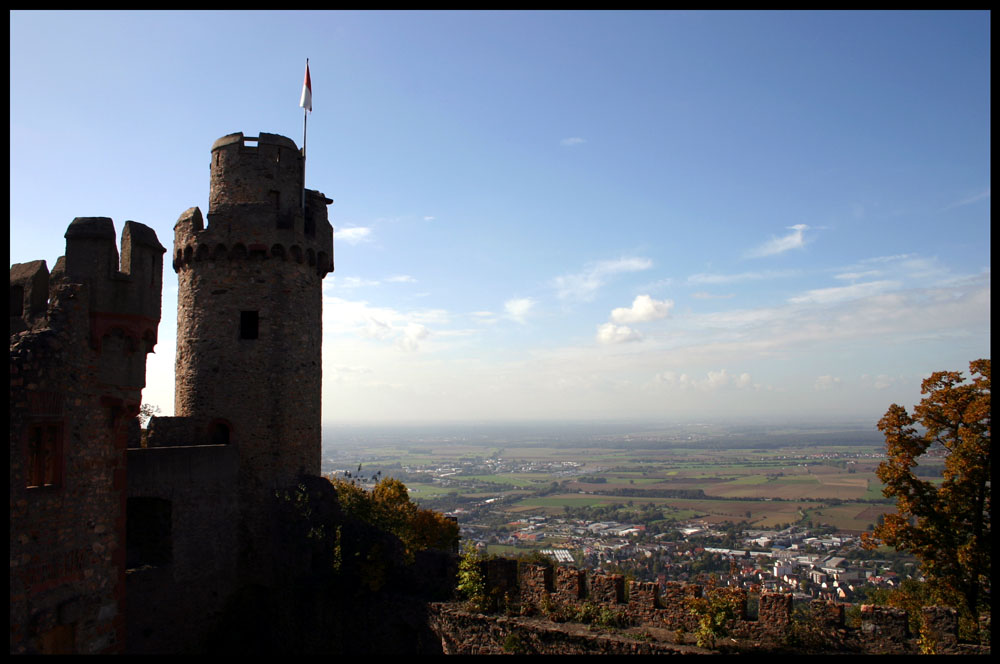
<point>763,487</point>
<point>513,479</point>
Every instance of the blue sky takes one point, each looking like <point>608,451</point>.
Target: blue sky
<point>559,215</point>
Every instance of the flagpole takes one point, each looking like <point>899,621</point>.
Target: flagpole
<point>305,115</point>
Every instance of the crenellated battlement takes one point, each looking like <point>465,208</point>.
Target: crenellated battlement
<point>195,244</point>
<point>256,208</point>
<point>563,592</point>
<point>264,170</point>
<point>123,294</point>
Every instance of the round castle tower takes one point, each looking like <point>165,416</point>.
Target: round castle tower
<point>249,312</point>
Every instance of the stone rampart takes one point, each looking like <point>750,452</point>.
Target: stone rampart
<point>559,592</point>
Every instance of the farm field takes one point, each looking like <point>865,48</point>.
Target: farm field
<point>763,487</point>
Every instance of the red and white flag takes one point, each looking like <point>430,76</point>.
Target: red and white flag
<point>307,92</point>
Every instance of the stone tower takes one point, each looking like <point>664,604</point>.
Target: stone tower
<point>249,318</point>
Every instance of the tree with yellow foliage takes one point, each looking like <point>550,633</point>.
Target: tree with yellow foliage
<point>389,507</point>
<point>947,524</point>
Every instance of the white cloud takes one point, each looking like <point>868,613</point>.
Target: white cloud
<point>376,329</point>
<point>882,381</point>
<point>353,235</point>
<point>341,373</point>
<point>826,382</point>
<point>673,379</point>
<point>583,285</point>
<point>609,333</point>
<point>854,276</point>
<point>713,380</point>
<point>643,309</point>
<point>779,245</point>
<point>702,278</point>
<point>518,308</point>
<point>412,335</point>
<point>716,379</point>
<point>888,259</point>
<point>571,142</point>
<point>344,282</point>
<point>918,267</point>
<point>591,378</point>
<point>705,295</point>
<point>842,293</point>
<point>352,282</point>
<point>968,200</point>
<point>361,320</point>
<point>484,317</point>
<point>909,268</point>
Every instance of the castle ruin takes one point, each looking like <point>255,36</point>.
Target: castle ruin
<point>146,542</point>
<point>165,527</point>
<point>79,339</point>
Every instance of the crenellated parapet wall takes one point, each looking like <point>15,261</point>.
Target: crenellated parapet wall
<point>226,244</point>
<point>564,591</point>
<point>257,210</point>
<point>95,299</point>
<point>123,293</point>
<point>79,337</point>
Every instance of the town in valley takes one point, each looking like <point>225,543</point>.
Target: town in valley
<point>760,507</point>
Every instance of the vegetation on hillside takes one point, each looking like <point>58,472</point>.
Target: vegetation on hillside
<point>388,507</point>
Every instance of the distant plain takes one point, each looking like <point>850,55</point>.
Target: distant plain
<point>827,477</point>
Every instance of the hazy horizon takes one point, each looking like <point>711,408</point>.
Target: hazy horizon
<point>602,434</point>
<point>610,422</point>
<point>562,215</point>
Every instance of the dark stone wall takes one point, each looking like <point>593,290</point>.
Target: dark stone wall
<point>464,633</point>
<point>175,596</point>
<point>66,539</point>
<point>78,347</point>
<point>663,618</point>
<point>571,584</point>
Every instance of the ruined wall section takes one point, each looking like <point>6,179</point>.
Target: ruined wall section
<point>465,633</point>
<point>558,594</point>
<point>78,348</point>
